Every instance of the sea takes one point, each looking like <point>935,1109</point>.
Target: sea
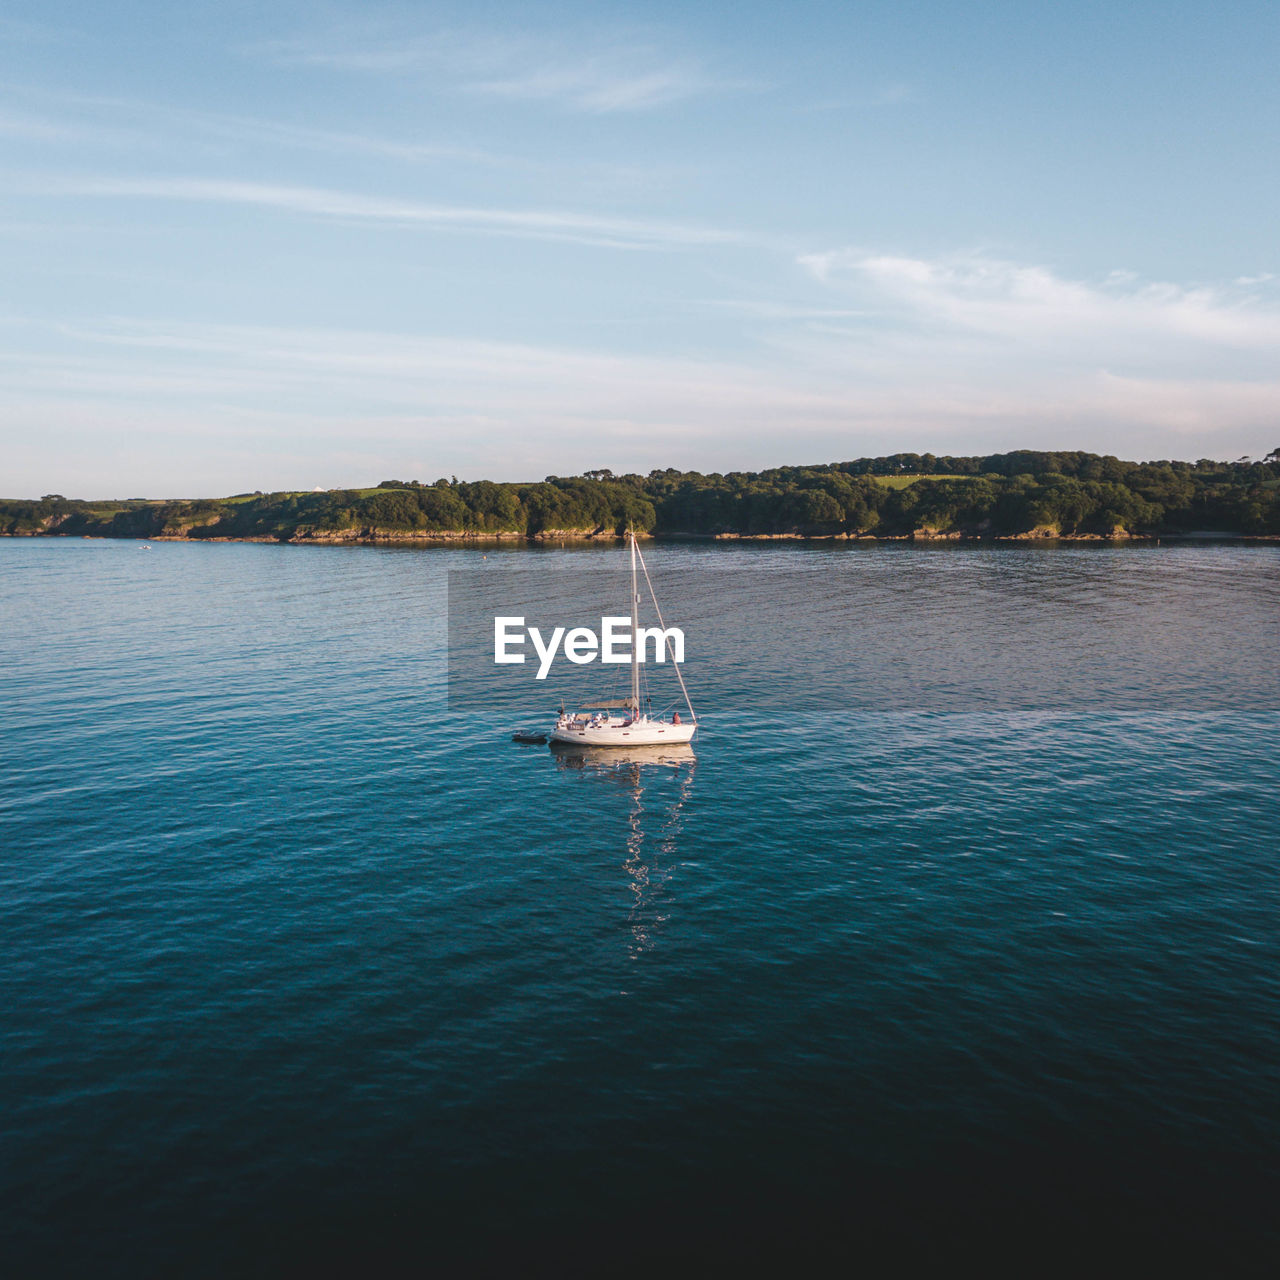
<point>955,939</point>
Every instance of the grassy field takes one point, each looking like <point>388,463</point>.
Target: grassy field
<point>250,497</point>
<point>903,482</point>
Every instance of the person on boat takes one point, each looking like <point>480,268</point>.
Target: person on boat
<point>675,719</point>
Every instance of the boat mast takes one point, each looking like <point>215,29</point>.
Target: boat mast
<point>635,632</point>
<point>666,638</point>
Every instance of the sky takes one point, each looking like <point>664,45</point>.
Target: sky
<point>283,246</point>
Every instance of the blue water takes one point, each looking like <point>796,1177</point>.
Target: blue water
<point>299,966</point>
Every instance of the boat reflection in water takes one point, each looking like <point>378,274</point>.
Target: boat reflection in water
<point>659,781</point>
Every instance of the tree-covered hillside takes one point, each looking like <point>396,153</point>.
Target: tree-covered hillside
<point>920,495</point>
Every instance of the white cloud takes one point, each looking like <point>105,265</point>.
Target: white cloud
<point>585,228</point>
<point>407,369</point>
<point>188,132</point>
<point>513,410</point>
<point>967,345</point>
<point>764,309</point>
<point>503,410</point>
<point>968,356</point>
<point>33,128</point>
<point>1030,305</point>
<point>593,72</point>
<point>894,94</point>
<point>867,98</point>
<point>599,84</point>
<point>247,129</point>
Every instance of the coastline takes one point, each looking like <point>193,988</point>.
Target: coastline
<point>442,538</point>
<point>1021,496</point>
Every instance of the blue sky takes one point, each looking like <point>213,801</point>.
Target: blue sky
<point>282,245</point>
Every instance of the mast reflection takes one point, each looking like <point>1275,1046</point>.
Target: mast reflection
<point>665,773</point>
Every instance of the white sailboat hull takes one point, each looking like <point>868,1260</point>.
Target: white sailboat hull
<point>644,733</point>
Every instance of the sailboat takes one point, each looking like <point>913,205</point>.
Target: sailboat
<point>619,722</point>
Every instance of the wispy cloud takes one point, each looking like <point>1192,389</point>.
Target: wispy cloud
<point>583,228</point>
<point>194,135</point>
<point>78,117</point>
<point>1031,305</point>
<point>974,344</point>
<point>506,409</point>
<point>895,94</point>
<point>33,128</point>
<point>891,95</point>
<point>963,355</point>
<point>518,410</point>
<point>601,83</point>
<point>763,309</point>
<point>249,129</point>
<point>594,72</point>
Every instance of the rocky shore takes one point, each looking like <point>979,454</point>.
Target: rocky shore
<point>1042,535</point>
